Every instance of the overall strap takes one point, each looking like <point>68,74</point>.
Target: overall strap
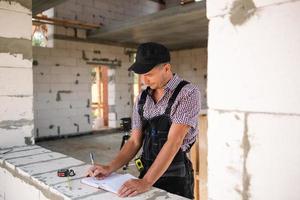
<point>142,102</point>
<point>174,95</point>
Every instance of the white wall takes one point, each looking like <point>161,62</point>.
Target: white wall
<point>16,116</point>
<point>191,65</point>
<point>30,172</point>
<point>63,70</point>
<point>9,183</point>
<point>56,117</point>
<point>253,99</point>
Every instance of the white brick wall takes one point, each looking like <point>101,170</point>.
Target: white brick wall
<point>14,6</point>
<point>191,65</point>
<point>217,8</point>
<point>21,17</point>
<point>225,154</point>
<point>72,108</point>
<point>16,93</point>
<point>274,156</point>
<point>9,184</point>
<point>16,81</point>
<point>32,171</point>
<point>253,95</point>
<point>267,67</point>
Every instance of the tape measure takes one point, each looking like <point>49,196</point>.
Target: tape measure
<point>65,172</point>
<point>139,164</point>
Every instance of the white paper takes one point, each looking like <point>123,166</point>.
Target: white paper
<point>112,183</point>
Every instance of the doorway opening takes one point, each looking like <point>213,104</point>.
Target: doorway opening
<point>137,86</point>
<point>99,103</point>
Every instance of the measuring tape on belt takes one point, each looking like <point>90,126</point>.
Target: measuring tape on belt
<point>139,164</point>
<point>65,172</point>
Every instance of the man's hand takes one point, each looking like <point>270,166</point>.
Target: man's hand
<point>134,187</point>
<point>99,171</point>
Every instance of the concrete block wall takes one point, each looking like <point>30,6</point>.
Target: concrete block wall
<point>16,93</point>
<point>124,91</point>
<point>112,115</point>
<point>62,87</point>
<point>253,99</point>
<point>120,95</point>
<point>101,12</point>
<point>62,92</point>
<point>30,172</point>
<point>191,65</point>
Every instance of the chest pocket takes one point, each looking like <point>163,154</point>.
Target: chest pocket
<point>155,133</point>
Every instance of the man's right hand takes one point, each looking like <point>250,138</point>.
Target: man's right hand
<point>99,171</point>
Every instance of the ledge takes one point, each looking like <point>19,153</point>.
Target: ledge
<point>31,170</point>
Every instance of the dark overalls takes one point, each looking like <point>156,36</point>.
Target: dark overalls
<point>178,178</point>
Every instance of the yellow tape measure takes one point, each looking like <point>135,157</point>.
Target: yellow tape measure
<point>139,164</point>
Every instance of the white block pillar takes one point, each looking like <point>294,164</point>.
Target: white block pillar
<point>253,99</point>
<point>16,85</point>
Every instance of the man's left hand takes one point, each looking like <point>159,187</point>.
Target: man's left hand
<point>134,187</point>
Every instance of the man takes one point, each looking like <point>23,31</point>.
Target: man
<point>164,122</point>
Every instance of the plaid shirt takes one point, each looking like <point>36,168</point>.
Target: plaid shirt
<point>185,109</point>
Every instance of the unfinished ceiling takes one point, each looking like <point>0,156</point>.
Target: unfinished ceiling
<point>39,6</point>
<point>180,27</point>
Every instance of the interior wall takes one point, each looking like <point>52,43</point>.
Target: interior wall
<point>69,54</point>
<point>61,65</point>
<point>191,65</point>
<point>16,116</point>
<point>253,99</point>
<point>62,87</point>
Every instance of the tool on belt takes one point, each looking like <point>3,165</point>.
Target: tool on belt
<point>138,163</point>
<point>65,172</point>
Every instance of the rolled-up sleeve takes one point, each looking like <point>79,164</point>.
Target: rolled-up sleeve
<point>188,109</point>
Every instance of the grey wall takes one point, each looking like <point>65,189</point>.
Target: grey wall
<point>62,87</point>
<point>253,98</point>
<point>191,65</point>
<point>16,115</point>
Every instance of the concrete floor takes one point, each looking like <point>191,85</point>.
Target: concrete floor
<point>105,147</point>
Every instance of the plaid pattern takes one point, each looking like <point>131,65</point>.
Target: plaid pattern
<point>185,109</point>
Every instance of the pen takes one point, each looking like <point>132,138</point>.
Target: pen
<point>92,158</point>
<point>69,183</point>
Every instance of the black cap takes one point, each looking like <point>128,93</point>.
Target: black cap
<point>148,56</point>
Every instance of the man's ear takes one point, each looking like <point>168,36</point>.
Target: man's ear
<point>167,67</point>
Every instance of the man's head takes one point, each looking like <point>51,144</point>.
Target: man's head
<point>158,76</point>
<point>152,62</point>
<point>149,55</point>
